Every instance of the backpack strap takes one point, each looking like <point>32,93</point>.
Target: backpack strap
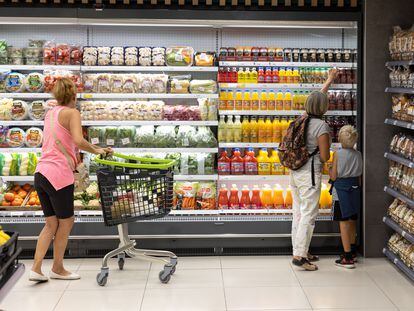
<point>312,155</point>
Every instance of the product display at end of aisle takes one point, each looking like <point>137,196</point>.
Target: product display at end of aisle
<point>16,196</point>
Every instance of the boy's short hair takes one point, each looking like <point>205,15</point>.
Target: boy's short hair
<point>348,136</point>
<point>316,104</point>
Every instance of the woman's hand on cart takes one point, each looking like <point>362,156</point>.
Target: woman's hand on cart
<point>104,152</point>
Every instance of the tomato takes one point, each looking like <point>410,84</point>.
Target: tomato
<point>27,187</point>
<point>9,197</point>
<point>16,188</point>
<point>22,194</point>
<point>32,201</point>
<point>17,202</point>
<point>5,203</point>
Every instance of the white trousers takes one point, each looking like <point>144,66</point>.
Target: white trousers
<point>305,206</point>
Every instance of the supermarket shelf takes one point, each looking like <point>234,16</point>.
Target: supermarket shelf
<point>40,67</point>
<point>149,68</point>
<point>399,263</point>
<point>141,95</point>
<point>399,63</point>
<point>125,150</point>
<point>402,90</point>
<point>248,145</point>
<point>399,196</point>
<point>399,123</point>
<point>399,159</point>
<point>286,64</point>
<point>282,112</point>
<point>195,177</point>
<point>22,123</point>
<point>17,178</point>
<point>258,178</point>
<point>26,95</point>
<point>279,86</point>
<point>19,150</point>
<point>157,122</point>
<point>396,227</point>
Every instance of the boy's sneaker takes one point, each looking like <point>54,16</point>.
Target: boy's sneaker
<point>345,263</point>
<point>354,257</point>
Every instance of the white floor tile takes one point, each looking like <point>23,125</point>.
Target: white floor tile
<point>255,262</point>
<point>95,264</point>
<point>188,279</point>
<point>206,299</point>
<point>117,280</point>
<point>114,300</point>
<point>70,264</point>
<point>347,297</point>
<point>260,298</point>
<point>259,277</point>
<point>197,263</point>
<point>22,301</point>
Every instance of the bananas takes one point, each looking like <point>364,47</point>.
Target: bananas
<point>4,237</point>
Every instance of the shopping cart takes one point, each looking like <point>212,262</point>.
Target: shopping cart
<point>132,189</point>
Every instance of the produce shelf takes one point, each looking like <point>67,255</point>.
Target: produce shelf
<point>402,90</point>
<point>40,67</point>
<point>399,63</point>
<point>157,122</point>
<point>248,145</point>
<point>280,86</point>
<point>150,68</point>
<point>399,263</point>
<point>126,150</point>
<point>397,228</point>
<point>399,123</point>
<point>399,159</point>
<point>142,95</point>
<point>286,64</point>
<point>19,150</point>
<point>282,112</point>
<point>22,123</point>
<point>399,196</point>
<point>27,95</point>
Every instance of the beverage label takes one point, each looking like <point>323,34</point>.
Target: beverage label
<point>238,105</point>
<point>271,105</point>
<point>237,168</point>
<point>255,105</point>
<point>223,104</point>
<point>251,168</point>
<point>223,167</point>
<point>264,166</point>
<point>277,169</point>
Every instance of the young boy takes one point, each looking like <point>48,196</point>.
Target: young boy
<point>345,174</point>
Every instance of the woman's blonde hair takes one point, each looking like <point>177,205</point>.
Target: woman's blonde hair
<point>316,104</point>
<point>348,136</point>
<point>64,91</point>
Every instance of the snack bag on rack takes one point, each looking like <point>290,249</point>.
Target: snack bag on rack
<point>180,84</point>
<point>185,195</point>
<point>103,83</point>
<point>116,83</point>
<point>89,83</point>
<point>130,84</point>
<point>206,196</point>
<point>203,87</point>
<point>159,83</point>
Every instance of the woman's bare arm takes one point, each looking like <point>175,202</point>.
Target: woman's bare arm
<point>333,171</point>
<point>333,73</point>
<point>324,144</point>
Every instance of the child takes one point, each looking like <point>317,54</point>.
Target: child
<point>345,174</point>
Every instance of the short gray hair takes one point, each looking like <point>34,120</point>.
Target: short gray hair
<point>317,104</point>
<point>348,136</point>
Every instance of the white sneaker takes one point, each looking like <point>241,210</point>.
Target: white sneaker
<point>36,277</point>
<point>71,276</point>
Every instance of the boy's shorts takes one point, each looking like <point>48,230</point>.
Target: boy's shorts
<point>337,214</point>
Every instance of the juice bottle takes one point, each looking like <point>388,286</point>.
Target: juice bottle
<point>223,164</point>
<point>269,130</point>
<point>287,101</point>
<point>295,100</point>
<point>296,76</point>
<point>238,102</point>
<point>247,76</point>
<point>255,100</point>
<point>324,199</point>
<point>237,130</point>
<point>233,75</point>
<point>275,75</point>
<point>284,126</point>
<point>234,202</point>
<point>247,101</point>
<point>268,75</point>
<point>222,130</point>
<point>276,167</point>
<point>277,131</point>
<point>271,100</point>
<point>223,198</point>
<point>221,76</point>
<point>263,162</point>
<point>282,75</point>
<point>241,77</point>
<point>278,200</point>
<point>288,198</point>
<point>279,101</point>
<point>229,131</point>
<point>250,163</point>
<point>237,163</point>
<point>263,101</point>
<point>266,197</point>
<point>245,198</point>
<point>289,76</point>
<point>255,201</point>
<point>261,75</point>
<point>230,101</point>
<point>253,76</point>
<point>328,164</point>
<point>261,130</point>
<point>245,130</point>
<point>253,130</point>
<point>223,100</point>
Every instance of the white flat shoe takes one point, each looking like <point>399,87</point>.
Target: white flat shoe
<point>71,276</point>
<point>36,277</point>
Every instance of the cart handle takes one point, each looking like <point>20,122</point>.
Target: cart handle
<point>145,163</point>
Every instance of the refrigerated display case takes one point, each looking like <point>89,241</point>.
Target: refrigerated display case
<point>197,226</point>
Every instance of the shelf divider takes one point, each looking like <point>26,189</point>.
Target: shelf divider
<point>399,159</point>
<point>397,228</point>
<point>399,196</point>
<point>408,125</point>
<point>399,263</point>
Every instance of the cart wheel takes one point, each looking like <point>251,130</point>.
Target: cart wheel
<point>121,262</point>
<point>173,270</point>
<point>102,278</point>
<point>174,261</point>
<point>164,276</point>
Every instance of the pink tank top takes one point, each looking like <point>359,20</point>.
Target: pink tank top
<point>53,164</point>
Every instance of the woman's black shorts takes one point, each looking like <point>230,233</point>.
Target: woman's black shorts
<point>54,202</point>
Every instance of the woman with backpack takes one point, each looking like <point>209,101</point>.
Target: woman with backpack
<point>304,149</point>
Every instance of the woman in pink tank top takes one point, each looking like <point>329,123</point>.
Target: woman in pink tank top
<point>54,179</point>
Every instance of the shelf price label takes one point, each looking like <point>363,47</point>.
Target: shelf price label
<point>87,96</point>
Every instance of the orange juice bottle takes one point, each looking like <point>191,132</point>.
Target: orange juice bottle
<point>241,77</point>
<point>277,131</point>
<point>282,75</point>
<point>324,201</point>
<point>269,130</point>
<point>288,198</point>
<point>271,100</point>
<point>287,101</point>
<point>295,101</point>
<point>289,76</point>
<point>296,76</point>
<point>328,164</point>
<point>279,101</point>
<point>247,101</point>
<point>223,100</point>
<point>253,130</point>
<point>263,162</point>
<point>284,126</point>
<point>255,100</point>
<point>230,101</point>
<point>276,167</point>
<point>263,101</point>
<point>278,200</point>
<point>245,129</point>
<point>261,130</point>
<point>266,197</point>
<point>238,103</point>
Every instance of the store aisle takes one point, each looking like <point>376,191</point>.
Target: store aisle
<point>220,283</point>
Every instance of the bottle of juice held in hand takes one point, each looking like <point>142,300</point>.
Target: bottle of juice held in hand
<point>223,198</point>
<point>250,163</point>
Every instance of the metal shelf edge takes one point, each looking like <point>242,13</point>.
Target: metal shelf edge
<point>399,263</point>
<point>399,196</point>
<point>396,158</point>
<point>397,228</point>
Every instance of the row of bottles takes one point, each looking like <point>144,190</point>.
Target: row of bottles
<point>265,198</point>
<point>253,129</point>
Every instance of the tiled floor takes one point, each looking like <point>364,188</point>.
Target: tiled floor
<point>219,283</point>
